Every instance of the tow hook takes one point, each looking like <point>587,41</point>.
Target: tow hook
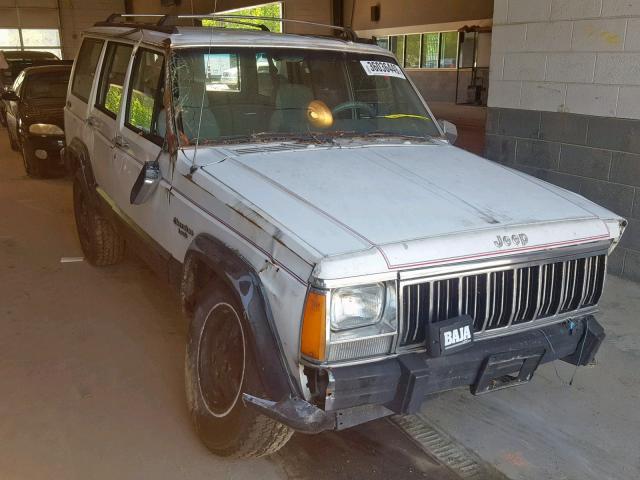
<point>293,412</point>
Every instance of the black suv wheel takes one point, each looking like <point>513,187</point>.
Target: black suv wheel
<point>32,165</point>
<point>218,368</point>
<point>13,143</point>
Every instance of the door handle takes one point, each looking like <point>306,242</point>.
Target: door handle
<point>92,121</point>
<point>119,141</point>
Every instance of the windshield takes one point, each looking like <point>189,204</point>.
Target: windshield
<point>292,93</point>
<point>46,85</point>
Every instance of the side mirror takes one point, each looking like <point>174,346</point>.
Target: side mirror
<point>10,96</point>
<point>146,183</point>
<point>450,130</point>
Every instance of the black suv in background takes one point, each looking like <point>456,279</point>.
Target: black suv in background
<point>35,116</point>
<point>17,61</point>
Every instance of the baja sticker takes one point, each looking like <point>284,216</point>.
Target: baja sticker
<point>382,69</point>
<point>450,336</point>
<point>457,337</point>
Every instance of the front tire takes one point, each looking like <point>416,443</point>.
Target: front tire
<point>218,368</point>
<point>101,243</point>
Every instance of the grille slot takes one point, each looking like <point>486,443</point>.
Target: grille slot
<point>281,147</point>
<point>502,298</point>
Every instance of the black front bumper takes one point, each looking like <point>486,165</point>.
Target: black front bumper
<point>403,383</point>
<point>50,144</point>
<point>400,385</point>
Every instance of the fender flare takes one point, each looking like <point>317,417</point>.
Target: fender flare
<point>77,158</point>
<point>262,339</point>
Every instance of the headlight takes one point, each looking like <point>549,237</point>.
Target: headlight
<point>45,129</point>
<point>353,307</point>
<point>350,323</point>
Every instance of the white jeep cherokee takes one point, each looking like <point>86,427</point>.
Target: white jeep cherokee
<point>338,258</point>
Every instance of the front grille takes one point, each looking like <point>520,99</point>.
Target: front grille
<point>502,298</point>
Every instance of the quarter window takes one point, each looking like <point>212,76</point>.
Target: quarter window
<point>114,70</point>
<point>145,95</point>
<point>86,68</point>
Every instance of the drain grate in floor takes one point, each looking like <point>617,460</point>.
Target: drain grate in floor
<point>441,446</point>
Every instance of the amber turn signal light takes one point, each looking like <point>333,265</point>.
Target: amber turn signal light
<point>314,327</point>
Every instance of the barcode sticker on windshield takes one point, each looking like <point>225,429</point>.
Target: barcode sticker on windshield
<point>384,69</point>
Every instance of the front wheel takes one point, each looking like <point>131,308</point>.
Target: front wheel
<point>218,369</point>
<point>32,165</point>
<point>100,241</point>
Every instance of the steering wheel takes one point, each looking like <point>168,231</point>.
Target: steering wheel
<point>354,106</point>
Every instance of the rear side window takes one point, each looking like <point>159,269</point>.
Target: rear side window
<point>114,69</point>
<point>86,65</point>
<point>145,95</point>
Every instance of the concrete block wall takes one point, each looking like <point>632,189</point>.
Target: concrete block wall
<point>564,102</point>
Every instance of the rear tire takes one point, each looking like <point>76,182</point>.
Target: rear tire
<point>218,368</point>
<point>100,241</point>
<point>13,143</point>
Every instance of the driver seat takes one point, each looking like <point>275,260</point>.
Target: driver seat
<point>195,101</point>
<point>291,108</point>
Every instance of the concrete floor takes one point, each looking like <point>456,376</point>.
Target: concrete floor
<point>91,368</point>
<point>549,430</point>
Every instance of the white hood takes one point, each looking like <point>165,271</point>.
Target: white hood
<point>407,205</point>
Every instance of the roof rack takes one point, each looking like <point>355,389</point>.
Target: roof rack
<point>161,25</point>
<point>348,32</point>
<point>168,23</point>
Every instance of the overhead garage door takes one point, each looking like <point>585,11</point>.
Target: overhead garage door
<point>30,24</point>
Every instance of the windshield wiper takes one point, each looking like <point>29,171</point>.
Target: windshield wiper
<point>309,137</point>
<point>304,137</point>
<point>271,136</point>
<point>397,116</point>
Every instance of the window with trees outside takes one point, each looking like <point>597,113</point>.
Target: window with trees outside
<point>42,39</point>
<point>424,50</point>
<point>271,10</point>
